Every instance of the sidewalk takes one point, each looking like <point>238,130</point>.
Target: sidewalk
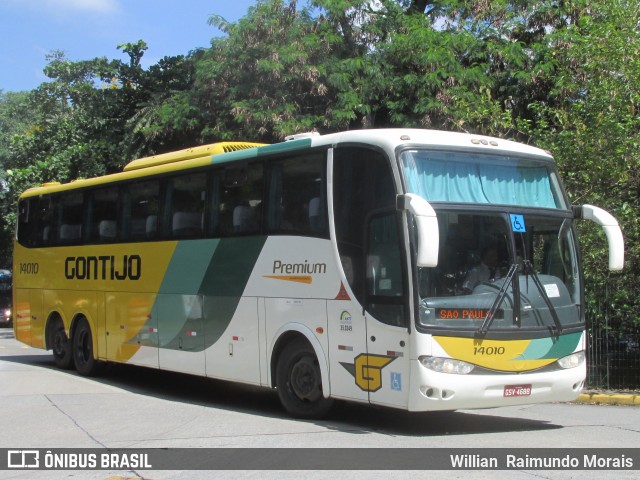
<point>609,398</point>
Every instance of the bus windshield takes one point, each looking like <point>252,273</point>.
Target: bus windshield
<point>498,268</point>
<point>523,279</point>
<point>462,177</point>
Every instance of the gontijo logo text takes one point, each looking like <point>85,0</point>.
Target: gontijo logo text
<point>104,267</point>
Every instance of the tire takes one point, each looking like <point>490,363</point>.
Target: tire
<point>299,382</point>
<point>86,364</point>
<point>60,345</point>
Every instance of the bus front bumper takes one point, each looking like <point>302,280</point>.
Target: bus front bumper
<point>442,391</point>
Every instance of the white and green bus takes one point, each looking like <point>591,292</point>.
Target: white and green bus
<point>415,269</point>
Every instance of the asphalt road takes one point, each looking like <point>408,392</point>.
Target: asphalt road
<point>134,408</point>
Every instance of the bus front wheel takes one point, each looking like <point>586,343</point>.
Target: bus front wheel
<point>299,382</point>
<point>86,363</point>
<point>60,345</point>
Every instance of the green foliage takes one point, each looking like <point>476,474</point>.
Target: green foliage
<point>589,120</point>
<point>267,77</point>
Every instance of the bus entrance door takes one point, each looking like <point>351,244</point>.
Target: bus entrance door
<point>387,363</point>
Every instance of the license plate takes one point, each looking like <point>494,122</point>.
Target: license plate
<point>517,390</point>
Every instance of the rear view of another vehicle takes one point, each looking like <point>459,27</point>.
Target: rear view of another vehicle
<point>6,320</point>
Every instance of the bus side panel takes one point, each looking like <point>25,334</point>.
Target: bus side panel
<point>236,353</point>
<point>100,332</point>
<point>181,335</point>
<point>348,344</point>
<point>293,278</point>
<point>29,276</point>
<point>131,326</point>
<point>28,314</point>
<point>299,314</point>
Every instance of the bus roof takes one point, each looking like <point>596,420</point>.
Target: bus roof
<point>391,138</point>
<point>189,154</point>
<point>223,152</point>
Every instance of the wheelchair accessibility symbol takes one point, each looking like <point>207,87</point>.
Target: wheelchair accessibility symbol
<point>396,381</point>
<point>517,223</point>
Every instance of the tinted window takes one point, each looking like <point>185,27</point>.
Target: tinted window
<point>69,217</point>
<point>296,196</point>
<point>28,222</point>
<point>367,230</point>
<point>102,223</point>
<point>240,200</point>
<point>141,210</point>
<point>186,200</point>
<point>362,184</point>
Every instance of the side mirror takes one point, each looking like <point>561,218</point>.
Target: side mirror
<point>427,226</point>
<point>611,229</point>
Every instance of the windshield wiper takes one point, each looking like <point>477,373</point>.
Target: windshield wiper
<point>528,270</point>
<point>491,314</point>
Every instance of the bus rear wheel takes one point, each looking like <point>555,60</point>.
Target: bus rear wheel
<point>86,363</point>
<point>60,345</point>
<point>299,382</point>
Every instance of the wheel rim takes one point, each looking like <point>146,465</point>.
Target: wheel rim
<point>59,342</point>
<point>305,380</point>
<point>84,353</point>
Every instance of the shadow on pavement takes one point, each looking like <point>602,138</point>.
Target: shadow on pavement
<point>345,417</point>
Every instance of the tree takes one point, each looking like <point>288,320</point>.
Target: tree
<point>166,119</point>
<point>265,79</point>
<point>590,120</point>
<point>14,120</point>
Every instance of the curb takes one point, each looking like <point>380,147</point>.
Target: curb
<point>609,399</point>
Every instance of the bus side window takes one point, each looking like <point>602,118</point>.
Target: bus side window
<point>103,215</point>
<point>35,222</point>
<point>46,210</point>
<point>70,218</point>
<point>296,203</point>
<point>186,200</point>
<point>240,202</point>
<point>28,219</point>
<point>140,206</point>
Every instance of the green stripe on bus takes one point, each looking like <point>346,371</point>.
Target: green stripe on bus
<point>285,146</point>
<point>183,275</point>
<point>203,296</point>
<point>232,156</point>
<point>225,282</point>
<point>564,345</point>
<point>542,348</point>
<point>250,153</point>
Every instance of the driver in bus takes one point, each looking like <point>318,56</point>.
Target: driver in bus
<point>486,271</point>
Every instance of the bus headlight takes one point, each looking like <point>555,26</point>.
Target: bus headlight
<point>572,361</point>
<point>446,365</point>
<point>7,313</point>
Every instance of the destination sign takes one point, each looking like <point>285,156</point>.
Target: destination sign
<point>465,313</point>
